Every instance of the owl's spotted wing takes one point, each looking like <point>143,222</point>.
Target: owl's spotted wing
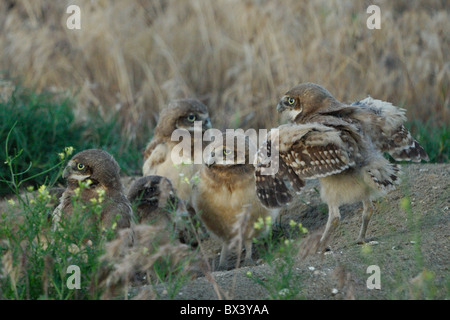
<point>269,174</point>
<point>151,147</point>
<point>384,124</point>
<point>304,152</point>
<point>403,147</point>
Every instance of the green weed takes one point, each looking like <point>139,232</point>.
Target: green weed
<point>279,251</point>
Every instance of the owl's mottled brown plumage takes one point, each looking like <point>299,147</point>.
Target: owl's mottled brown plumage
<point>154,198</point>
<point>179,114</point>
<point>225,197</point>
<point>103,171</point>
<point>341,145</point>
<point>157,203</point>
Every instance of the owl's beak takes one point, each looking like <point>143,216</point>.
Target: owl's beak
<point>207,124</point>
<point>67,171</point>
<point>210,160</point>
<point>280,107</point>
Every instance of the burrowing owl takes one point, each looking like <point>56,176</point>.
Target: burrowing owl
<point>103,173</point>
<point>225,196</point>
<point>341,145</point>
<point>157,204</point>
<point>180,114</point>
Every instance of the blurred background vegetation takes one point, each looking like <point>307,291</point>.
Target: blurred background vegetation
<point>104,85</point>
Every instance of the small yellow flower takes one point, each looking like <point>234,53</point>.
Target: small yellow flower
<point>12,202</point>
<point>258,224</point>
<point>249,274</point>
<point>30,188</point>
<point>61,155</point>
<point>292,223</point>
<point>44,194</point>
<point>101,195</point>
<point>68,151</point>
<point>268,221</point>
<point>302,229</point>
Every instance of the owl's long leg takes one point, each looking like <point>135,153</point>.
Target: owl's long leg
<point>333,220</point>
<point>223,262</point>
<point>367,214</point>
<point>248,253</point>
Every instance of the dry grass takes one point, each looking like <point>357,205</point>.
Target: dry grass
<point>123,261</point>
<point>238,57</point>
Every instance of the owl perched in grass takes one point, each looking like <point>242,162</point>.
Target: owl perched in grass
<point>157,203</point>
<point>100,174</point>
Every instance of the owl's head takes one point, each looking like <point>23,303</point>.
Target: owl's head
<point>96,165</point>
<point>304,100</point>
<point>182,114</point>
<point>234,151</point>
<point>151,192</point>
<point>154,192</point>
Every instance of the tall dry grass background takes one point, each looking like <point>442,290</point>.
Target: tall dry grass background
<point>238,57</point>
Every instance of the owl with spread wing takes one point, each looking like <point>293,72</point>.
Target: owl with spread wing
<point>341,145</point>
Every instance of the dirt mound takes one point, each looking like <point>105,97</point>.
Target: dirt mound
<point>410,247</point>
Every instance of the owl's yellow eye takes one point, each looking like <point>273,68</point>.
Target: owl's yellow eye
<point>80,166</point>
<point>226,152</point>
<point>291,101</point>
<point>191,118</point>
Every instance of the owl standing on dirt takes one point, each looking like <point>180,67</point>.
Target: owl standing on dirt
<point>341,145</point>
<point>101,173</point>
<point>180,114</point>
<point>225,196</point>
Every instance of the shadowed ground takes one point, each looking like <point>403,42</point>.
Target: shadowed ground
<point>405,245</point>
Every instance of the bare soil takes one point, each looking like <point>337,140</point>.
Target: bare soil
<point>411,249</point>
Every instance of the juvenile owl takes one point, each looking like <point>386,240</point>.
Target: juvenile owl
<point>341,145</point>
<point>180,114</point>
<point>157,204</point>
<point>102,176</point>
<point>225,197</point>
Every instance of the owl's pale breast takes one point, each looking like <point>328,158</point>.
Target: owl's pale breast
<point>220,207</point>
